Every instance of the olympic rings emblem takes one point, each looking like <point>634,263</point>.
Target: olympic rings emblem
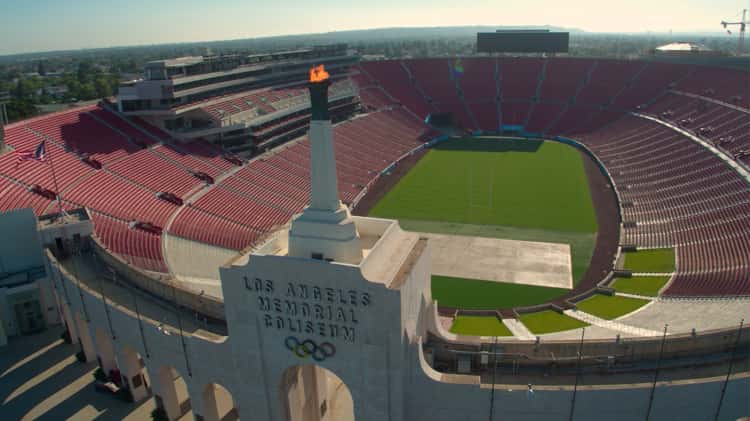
<point>308,348</point>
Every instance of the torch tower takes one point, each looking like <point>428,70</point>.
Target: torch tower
<point>325,230</point>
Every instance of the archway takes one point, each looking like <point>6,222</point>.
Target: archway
<point>105,351</point>
<point>84,336</point>
<point>134,373</point>
<point>172,393</point>
<point>313,393</point>
<point>218,404</point>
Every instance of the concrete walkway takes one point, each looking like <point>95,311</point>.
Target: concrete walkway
<point>611,324</point>
<point>40,379</point>
<point>640,297</point>
<point>519,330</point>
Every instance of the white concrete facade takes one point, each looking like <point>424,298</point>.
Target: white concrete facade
<point>374,316</point>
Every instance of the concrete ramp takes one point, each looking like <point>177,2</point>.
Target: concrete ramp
<point>196,264</point>
<point>494,259</point>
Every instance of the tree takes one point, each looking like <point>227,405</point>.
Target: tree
<point>85,71</point>
<point>19,109</point>
<point>87,91</point>
<point>102,87</point>
<point>41,69</point>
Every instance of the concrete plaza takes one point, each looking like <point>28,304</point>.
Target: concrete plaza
<point>40,378</point>
<point>495,259</point>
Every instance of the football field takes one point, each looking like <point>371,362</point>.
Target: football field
<point>516,189</point>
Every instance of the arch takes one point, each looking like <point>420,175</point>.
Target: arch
<point>218,404</point>
<point>134,373</point>
<point>172,394</point>
<point>312,393</point>
<point>84,336</point>
<point>105,351</point>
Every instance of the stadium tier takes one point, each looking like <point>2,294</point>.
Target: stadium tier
<point>242,203</point>
<point>675,192</point>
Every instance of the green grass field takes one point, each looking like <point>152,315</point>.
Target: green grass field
<point>549,321</point>
<point>515,183</point>
<point>610,306</point>
<point>486,295</point>
<point>648,286</point>
<point>516,189</point>
<point>479,326</point>
<point>650,261</point>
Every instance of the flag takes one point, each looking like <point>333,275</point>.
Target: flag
<point>37,154</point>
<point>458,68</point>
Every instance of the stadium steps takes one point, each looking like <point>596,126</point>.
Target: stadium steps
<point>496,99</point>
<point>613,325</point>
<point>148,134</point>
<point>160,142</point>
<point>50,139</point>
<point>537,93</point>
<point>113,128</point>
<point>430,102</point>
<point>581,85</point>
<point>631,82</point>
<point>518,330</point>
<point>152,151</point>
<point>554,121</point>
<point>379,87</point>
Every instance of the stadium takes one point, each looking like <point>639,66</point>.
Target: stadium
<point>507,227</point>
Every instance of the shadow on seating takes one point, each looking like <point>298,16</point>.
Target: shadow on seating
<point>490,145</point>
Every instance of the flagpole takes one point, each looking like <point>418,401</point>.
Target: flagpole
<point>54,180</point>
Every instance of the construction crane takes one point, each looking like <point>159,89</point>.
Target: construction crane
<point>742,24</point>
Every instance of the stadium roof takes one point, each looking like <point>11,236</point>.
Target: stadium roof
<point>688,47</point>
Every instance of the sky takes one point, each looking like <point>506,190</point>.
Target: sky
<point>46,25</point>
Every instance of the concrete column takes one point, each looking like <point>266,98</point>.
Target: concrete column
<point>133,373</point>
<point>167,393</point>
<point>70,323</point>
<point>85,337</point>
<point>210,406</point>
<point>324,193</point>
<point>105,351</point>
<point>218,404</point>
<point>3,336</point>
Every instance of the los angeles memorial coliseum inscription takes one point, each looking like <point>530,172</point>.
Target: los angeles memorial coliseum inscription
<point>302,308</point>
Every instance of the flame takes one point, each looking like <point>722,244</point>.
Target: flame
<point>318,74</point>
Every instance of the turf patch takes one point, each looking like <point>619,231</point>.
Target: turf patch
<point>641,285</point>
<point>549,321</point>
<point>479,326</point>
<point>581,244</point>
<point>650,261</point>
<point>487,295</point>
<point>514,183</point>
<point>610,306</point>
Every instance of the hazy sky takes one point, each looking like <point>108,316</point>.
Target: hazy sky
<point>42,25</point>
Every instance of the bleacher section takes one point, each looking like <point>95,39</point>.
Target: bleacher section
<point>680,195</point>
<point>234,212</point>
<point>676,193</point>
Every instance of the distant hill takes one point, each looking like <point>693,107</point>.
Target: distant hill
<point>294,41</point>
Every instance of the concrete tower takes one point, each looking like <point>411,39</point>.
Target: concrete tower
<point>325,230</point>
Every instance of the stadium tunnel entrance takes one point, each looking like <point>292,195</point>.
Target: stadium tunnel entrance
<point>312,393</point>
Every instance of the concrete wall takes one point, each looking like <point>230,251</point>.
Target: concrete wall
<point>20,248</point>
<point>382,366</point>
<point>165,288</point>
